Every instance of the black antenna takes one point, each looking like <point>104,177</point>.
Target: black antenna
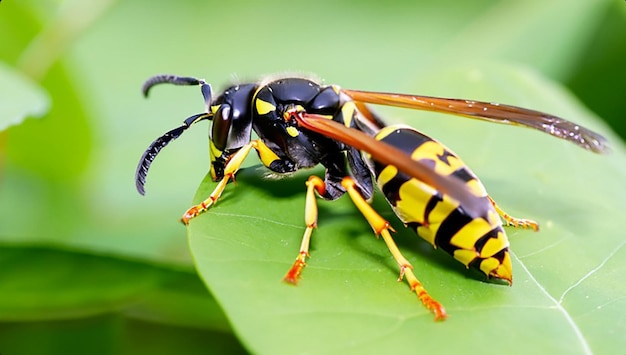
<point>148,156</point>
<point>153,150</point>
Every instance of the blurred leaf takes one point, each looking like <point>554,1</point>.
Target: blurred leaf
<point>56,148</point>
<point>18,25</point>
<point>600,73</point>
<point>182,300</point>
<point>91,335</point>
<point>42,284</point>
<point>154,339</point>
<point>540,33</point>
<point>111,334</point>
<point>567,291</point>
<point>20,98</point>
<point>45,284</point>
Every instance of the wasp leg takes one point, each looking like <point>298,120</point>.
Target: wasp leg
<point>310,217</point>
<point>381,227</point>
<point>512,221</point>
<point>230,170</point>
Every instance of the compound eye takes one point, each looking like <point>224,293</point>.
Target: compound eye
<point>222,121</point>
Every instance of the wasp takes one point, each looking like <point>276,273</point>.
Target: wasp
<point>301,123</point>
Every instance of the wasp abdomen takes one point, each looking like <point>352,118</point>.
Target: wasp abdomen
<point>476,242</point>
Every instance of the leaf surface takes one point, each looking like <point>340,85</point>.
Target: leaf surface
<point>20,98</point>
<point>567,289</point>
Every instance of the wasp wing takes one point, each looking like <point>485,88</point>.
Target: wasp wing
<point>492,112</point>
<point>390,155</point>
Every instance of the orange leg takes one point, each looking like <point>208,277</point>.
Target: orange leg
<point>229,173</point>
<point>381,227</point>
<point>310,217</point>
<point>512,221</point>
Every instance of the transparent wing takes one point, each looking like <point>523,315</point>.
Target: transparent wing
<point>492,112</point>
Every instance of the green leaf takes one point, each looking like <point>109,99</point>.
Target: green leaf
<point>602,63</point>
<point>20,98</point>
<point>38,284</point>
<point>568,290</point>
<point>111,334</point>
<point>180,299</point>
<point>67,291</point>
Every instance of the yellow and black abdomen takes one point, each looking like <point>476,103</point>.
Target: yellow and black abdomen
<point>476,242</point>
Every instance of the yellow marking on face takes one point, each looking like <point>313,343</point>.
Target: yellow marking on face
<point>214,152</point>
<point>263,107</point>
<point>214,108</point>
<point>292,131</point>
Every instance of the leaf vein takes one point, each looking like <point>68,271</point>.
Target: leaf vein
<point>593,271</point>
<point>559,306</point>
<point>262,219</point>
<point>549,246</point>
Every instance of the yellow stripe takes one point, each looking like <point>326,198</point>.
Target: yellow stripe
<point>465,256</point>
<point>264,107</point>
<point>266,155</point>
<point>477,188</point>
<point>347,111</point>
<point>386,131</point>
<point>494,245</point>
<point>442,210</point>
<point>388,173</point>
<point>488,265</point>
<point>431,150</point>
<point>467,236</point>
<point>214,151</point>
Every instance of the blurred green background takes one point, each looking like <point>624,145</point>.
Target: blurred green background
<point>89,266</point>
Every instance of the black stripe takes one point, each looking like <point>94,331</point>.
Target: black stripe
<point>414,225</point>
<point>449,227</point>
<point>492,234</point>
<point>444,156</point>
<point>391,189</point>
<point>464,174</point>
<point>475,264</point>
<point>430,206</point>
<point>406,140</point>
